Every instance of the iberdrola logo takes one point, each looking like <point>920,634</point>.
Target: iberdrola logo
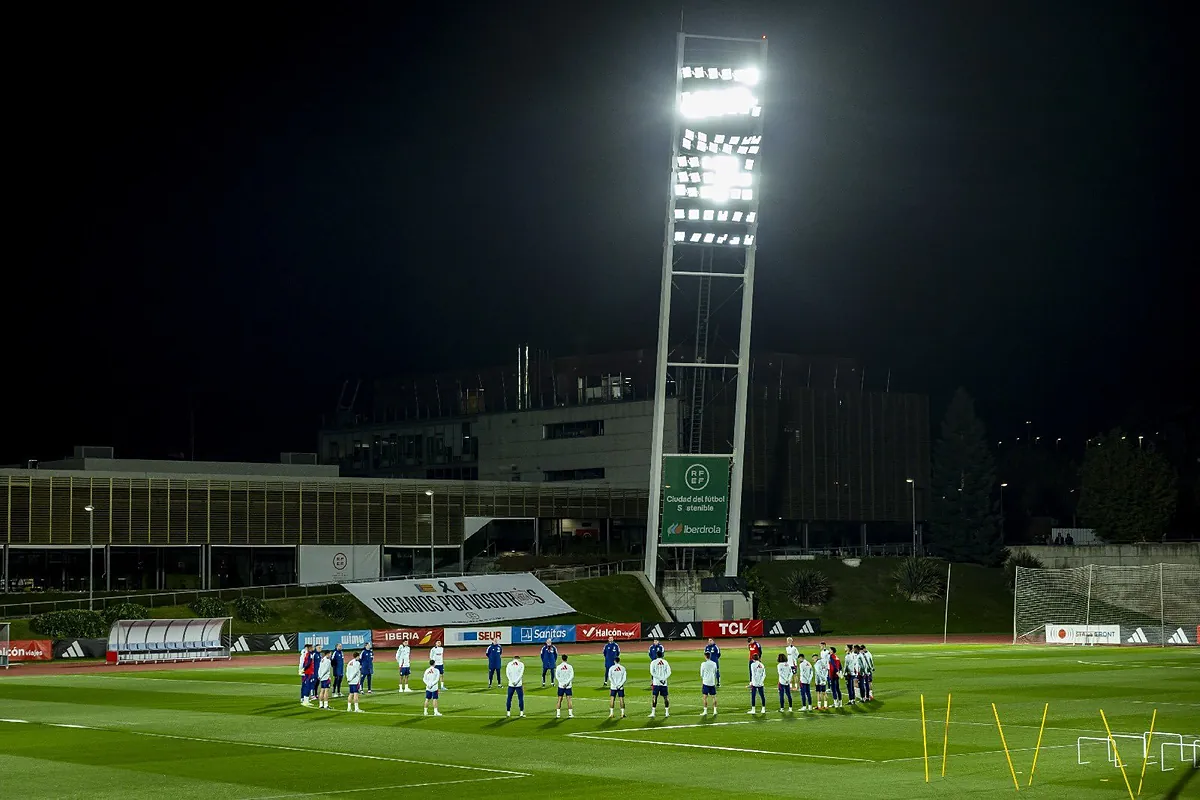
<point>675,529</point>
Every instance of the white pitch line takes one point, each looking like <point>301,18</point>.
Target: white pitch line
<point>16,721</point>
<point>718,747</point>
<point>978,753</point>
<point>384,788</point>
<point>678,727</point>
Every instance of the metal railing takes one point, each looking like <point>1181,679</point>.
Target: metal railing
<point>804,554</point>
<point>563,574</point>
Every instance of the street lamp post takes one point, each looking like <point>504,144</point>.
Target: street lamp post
<point>1002,487</point>
<point>89,508</point>
<point>913,484</point>
<point>429,494</point>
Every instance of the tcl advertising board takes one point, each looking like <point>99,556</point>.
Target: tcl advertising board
<point>621,631</point>
<point>725,629</point>
<point>460,637</point>
<point>415,637</point>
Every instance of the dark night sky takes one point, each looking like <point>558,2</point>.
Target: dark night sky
<point>251,208</point>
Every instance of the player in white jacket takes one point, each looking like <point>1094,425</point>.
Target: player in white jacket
<point>564,676</point>
<point>404,664</point>
<point>354,681</point>
<point>793,659</point>
<point>431,679</point>
<point>616,686</point>
<point>708,684</point>
<point>324,676</point>
<point>437,655</point>
<point>805,674</point>
<point>850,669</point>
<point>515,672</point>
<point>660,672</point>
<point>758,679</point>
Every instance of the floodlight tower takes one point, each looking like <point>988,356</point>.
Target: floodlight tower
<point>712,206</point>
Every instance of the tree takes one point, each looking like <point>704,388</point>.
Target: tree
<point>1127,492</point>
<point>963,524</point>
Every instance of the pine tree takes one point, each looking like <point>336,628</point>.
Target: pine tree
<point>963,523</point>
<point>1127,492</point>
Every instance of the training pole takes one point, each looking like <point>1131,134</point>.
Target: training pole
<point>1146,751</point>
<point>1117,754</point>
<point>1004,744</point>
<point>946,737</point>
<point>924,739</point>
<point>1038,748</point>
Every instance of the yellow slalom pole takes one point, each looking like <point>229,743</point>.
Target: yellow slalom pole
<point>924,739</point>
<point>1116,754</point>
<point>1038,748</point>
<point>1007,755</point>
<point>1146,751</point>
<point>946,737</point>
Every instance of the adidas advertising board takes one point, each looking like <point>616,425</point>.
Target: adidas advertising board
<point>1083,634</point>
<point>725,629</point>
<point>671,630</point>
<point>599,632</point>
<point>467,600</point>
<point>414,637</point>
<point>482,637</point>
<point>1179,637</point>
<point>80,648</point>
<point>279,642</point>
<point>1159,635</point>
<point>792,627</point>
<point>349,640</point>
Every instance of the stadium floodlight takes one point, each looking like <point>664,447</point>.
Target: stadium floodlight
<point>709,103</point>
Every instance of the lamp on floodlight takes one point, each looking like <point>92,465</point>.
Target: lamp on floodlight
<point>89,508</point>
<point>429,494</point>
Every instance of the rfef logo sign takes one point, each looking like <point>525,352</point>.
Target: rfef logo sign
<point>725,629</point>
<point>420,637</point>
<point>533,634</point>
<point>477,636</point>
<point>620,631</point>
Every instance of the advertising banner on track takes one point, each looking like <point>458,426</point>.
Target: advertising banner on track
<point>1083,634</point>
<point>29,650</point>
<point>323,563</point>
<point>466,600</point>
<point>414,637</point>
<point>725,629</point>
<point>671,630</point>
<point>600,631</point>
<point>695,500</point>
<point>538,634</point>
<point>349,640</point>
<point>80,648</point>
<point>792,627</point>
<point>482,637</point>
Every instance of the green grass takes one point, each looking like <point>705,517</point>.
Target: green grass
<point>865,599</point>
<point>616,598</point>
<point>238,733</point>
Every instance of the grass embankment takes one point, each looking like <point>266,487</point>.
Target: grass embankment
<point>865,600</point>
<point>617,598</point>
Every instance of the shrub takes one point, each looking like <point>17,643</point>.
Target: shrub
<point>1020,558</point>
<point>208,607</point>
<point>808,587</point>
<point>124,611</point>
<point>339,607</point>
<point>252,610</point>
<point>74,624</point>
<point>919,579</point>
<point>762,593</point>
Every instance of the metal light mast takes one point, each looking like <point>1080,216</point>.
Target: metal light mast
<point>712,207</point>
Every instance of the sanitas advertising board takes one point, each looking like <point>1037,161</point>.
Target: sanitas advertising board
<point>538,634</point>
<point>695,500</point>
<point>464,601</point>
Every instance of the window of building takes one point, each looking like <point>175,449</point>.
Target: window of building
<point>573,430</point>
<point>587,474</point>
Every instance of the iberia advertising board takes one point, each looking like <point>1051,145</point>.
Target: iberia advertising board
<point>30,650</point>
<point>620,631</point>
<point>724,629</point>
<point>415,637</point>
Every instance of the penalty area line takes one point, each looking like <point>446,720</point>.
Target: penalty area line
<point>384,788</point>
<point>720,748</point>
<point>975,753</point>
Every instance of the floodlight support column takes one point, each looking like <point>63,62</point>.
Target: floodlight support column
<point>663,353</point>
<point>734,526</point>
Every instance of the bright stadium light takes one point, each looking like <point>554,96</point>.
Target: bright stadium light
<point>708,103</point>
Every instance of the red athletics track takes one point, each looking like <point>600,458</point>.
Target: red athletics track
<point>729,646</point>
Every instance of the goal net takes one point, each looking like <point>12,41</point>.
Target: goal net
<point>4,642</point>
<point>1151,605</point>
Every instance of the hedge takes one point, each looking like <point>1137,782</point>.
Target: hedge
<point>73,624</point>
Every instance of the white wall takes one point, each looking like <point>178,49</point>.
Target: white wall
<point>513,446</point>
<point>1122,555</point>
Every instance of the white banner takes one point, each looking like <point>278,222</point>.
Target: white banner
<point>467,600</point>
<point>478,637</point>
<point>322,563</point>
<point>1083,634</point>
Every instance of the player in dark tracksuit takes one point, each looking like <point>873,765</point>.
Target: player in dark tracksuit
<point>549,660</point>
<point>338,660</point>
<point>367,660</point>
<point>494,653</point>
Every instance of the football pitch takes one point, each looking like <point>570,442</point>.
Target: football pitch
<point>238,731</point>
